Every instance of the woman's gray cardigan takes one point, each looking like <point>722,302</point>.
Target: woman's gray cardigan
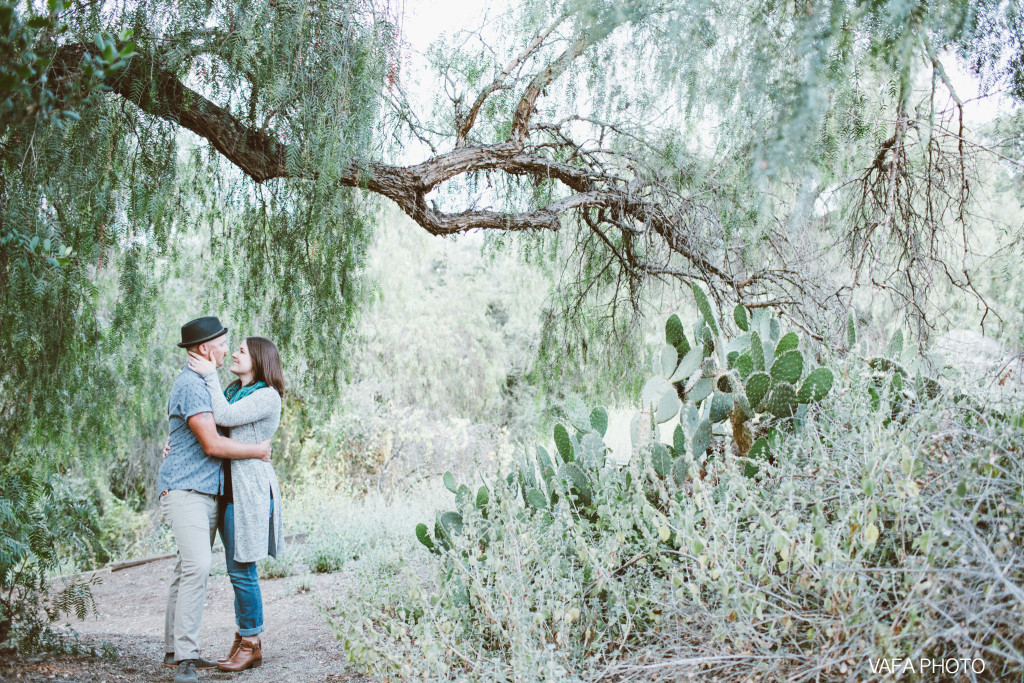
<point>251,420</point>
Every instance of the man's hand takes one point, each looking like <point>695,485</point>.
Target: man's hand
<point>167,447</point>
<point>201,365</point>
<point>213,444</point>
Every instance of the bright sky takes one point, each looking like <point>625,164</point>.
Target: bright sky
<point>426,20</point>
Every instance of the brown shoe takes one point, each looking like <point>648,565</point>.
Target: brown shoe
<point>233,650</point>
<point>248,656</point>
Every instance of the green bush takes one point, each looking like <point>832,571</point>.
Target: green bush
<point>44,528</point>
<point>285,564</point>
<point>325,558</point>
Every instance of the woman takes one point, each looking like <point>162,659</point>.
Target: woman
<point>250,506</point>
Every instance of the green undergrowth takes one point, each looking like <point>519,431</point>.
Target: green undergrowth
<point>886,526</point>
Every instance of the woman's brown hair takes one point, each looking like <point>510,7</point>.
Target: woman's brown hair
<point>266,362</point>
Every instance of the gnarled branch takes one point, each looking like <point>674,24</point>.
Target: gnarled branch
<point>632,206</point>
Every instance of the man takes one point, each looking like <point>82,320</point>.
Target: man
<point>189,481</point>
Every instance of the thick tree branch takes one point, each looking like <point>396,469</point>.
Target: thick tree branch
<point>263,157</point>
<point>158,91</point>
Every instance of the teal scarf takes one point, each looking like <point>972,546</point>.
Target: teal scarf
<point>236,392</point>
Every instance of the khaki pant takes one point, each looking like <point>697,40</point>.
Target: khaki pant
<point>192,517</point>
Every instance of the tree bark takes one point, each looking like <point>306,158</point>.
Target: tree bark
<point>158,91</point>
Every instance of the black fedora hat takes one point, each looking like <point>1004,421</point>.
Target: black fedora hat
<point>201,330</point>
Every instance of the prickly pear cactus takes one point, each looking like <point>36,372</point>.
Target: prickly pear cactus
<point>754,383</point>
<point>750,381</point>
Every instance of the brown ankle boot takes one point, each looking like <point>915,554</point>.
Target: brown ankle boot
<point>233,650</point>
<point>248,656</point>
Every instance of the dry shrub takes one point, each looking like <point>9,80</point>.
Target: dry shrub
<point>875,534</point>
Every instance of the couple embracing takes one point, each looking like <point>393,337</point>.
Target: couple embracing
<point>216,474</point>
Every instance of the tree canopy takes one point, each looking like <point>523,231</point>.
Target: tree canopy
<point>783,153</point>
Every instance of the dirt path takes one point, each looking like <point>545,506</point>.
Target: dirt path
<point>297,643</point>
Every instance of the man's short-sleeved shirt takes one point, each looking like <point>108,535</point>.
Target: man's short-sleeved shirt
<point>187,466</point>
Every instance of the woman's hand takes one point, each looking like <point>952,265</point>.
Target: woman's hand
<point>265,447</point>
<point>198,364</point>
<point>167,447</point>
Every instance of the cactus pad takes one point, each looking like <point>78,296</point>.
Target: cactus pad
<point>688,365</point>
<point>638,428</point>
<point>688,417</point>
<point>679,470</point>
<point>768,347</point>
<point>527,477</point>
<point>741,406</point>
<point>448,526</point>
<point>781,400</point>
<point>661,460</point>
<point>744,365</point>
<point>679,440</point>
<point>449,482</point>
<point>599,420</point>
<point>816,386</point>
<point>667,408</point>
<point>739,314</point>
<point>788,367</point>
<point>709,341</point>
<point>757,388</point>
<point>724,383</point>
<point>577,482</point>
<point>592,448</point>
<point>536,499</point>
<point>738,344</point>
<point>654,389</point>
<point>757,351</point>
<point>760,322</point>
<point>758,451</point>
<point>895,348</point>
<point>788,342</point>
<point>543,459</point>
<point>563,443</point>
<point>424,536</point>
<point>701,390</point>
<point>577,413</point>
<point>704,306</point>
<point>721,404</point>
<point>701,438</point>
<point>676,335</point>
<point>666,361</point>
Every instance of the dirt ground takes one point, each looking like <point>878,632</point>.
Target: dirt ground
<point>297,643</point>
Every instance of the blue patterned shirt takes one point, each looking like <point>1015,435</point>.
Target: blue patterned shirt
<point>187,466</point>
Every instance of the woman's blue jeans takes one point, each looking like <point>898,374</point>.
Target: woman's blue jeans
<point>244,578</point>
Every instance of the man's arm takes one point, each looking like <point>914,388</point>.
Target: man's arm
<point>205,429</point>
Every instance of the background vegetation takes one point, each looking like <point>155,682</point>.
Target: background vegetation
<point>168,160</point>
